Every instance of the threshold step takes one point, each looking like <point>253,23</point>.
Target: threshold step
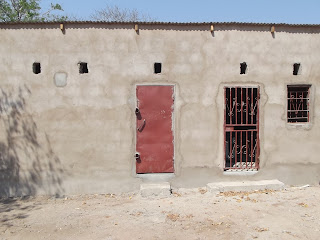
<point>155,189</point>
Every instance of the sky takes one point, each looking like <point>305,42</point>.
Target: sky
<point>265,11</point>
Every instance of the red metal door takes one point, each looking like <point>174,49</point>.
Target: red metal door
<point>154,129</point>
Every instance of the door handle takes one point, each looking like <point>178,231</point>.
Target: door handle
<point>137,156</point>
<point>141,126</point>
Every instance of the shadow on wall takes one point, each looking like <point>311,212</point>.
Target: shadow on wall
<point>26,165</point>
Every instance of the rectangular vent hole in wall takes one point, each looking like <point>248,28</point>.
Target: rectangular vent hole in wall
<point>157,68</point>
<point>243,68</point>
<point>296,69</point>
<point>36,68</point>
<point>83,67</point>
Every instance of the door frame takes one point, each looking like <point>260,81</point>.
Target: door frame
<point>230,85</point>
<point>135,130</point>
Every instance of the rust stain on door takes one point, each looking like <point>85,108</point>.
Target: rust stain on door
<point>154,129</point>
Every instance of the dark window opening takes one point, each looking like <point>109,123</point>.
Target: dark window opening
<point>241,150</point>
<point>243,68</point>
<point>296,68</point>
<point>241,106</point>
<point>298,99</point>
<point>157,67</point>
<point>36,68</point>
<point>83,68</point>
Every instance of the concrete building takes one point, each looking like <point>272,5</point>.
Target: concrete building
<point>96,107</point>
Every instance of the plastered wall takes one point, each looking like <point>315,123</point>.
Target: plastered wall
<point>81,138</point>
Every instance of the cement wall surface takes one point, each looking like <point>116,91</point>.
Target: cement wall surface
<point>80,138</point>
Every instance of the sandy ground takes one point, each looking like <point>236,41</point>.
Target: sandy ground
<point>293,213</point>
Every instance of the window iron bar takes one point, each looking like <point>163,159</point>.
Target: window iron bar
<point>298,98</point>
<point>298,118</point>
<point>298,110</point>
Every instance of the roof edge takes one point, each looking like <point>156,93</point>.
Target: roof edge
<point>162,23</point>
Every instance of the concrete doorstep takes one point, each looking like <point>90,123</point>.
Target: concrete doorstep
<point>245,186</point>
<point>161,189</point>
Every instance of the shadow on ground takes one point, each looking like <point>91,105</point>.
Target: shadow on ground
<point>12,209</point>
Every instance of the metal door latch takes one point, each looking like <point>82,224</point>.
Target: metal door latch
<point>137,156</point>
<point>141,126</point>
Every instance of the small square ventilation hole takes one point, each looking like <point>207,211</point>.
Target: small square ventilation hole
<point>83,67</point>
<point>296,69</point>
<point>243,68</point>
<point>36,68</point>
<point>157,68</point>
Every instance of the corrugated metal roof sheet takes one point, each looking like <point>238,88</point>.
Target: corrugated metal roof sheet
<point>166,23</point>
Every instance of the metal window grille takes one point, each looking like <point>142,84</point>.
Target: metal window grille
<point>298,99</point>
<point>241,128</point>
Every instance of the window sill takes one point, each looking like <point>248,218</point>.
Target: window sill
<point>240,172</point>
<point>302,126</point>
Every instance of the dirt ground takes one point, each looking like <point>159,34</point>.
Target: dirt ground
<point>293,213</point>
